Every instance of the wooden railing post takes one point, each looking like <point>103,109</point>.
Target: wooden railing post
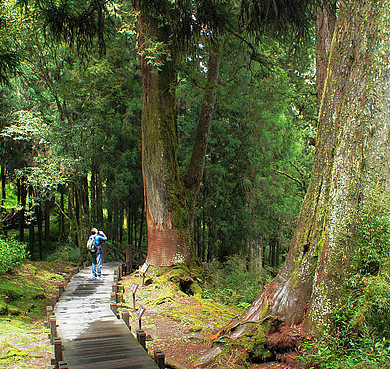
<point>49,312</point>
<point>57,351</point>
<point>126,318</point>
<point>115,287</point>
<point>129,259</point>
<point>114,308</point>
<point>53,328</point>
<point>61,289</point>
<point>54,299</point>
<point>141,338</point>
<point>159,359</point>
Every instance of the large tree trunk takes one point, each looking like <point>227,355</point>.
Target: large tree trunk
<point>165,203</point>
<point>351,160</point>
<point>169,203</point>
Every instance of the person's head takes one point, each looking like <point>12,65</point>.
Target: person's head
<point>94,231</point>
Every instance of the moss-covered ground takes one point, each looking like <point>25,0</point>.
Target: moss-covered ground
<point>178,320</point>
<point>24,294</point>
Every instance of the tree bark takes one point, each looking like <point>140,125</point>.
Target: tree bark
<point>77,192</point>
<point>39,226</point>
<point>169,202</point>
<point>165,203</point>
<point>351,160</point>
<point>22,195</point>
<point>99,200</point>
<point>3,183</point>
<point>325,23</point>
<point>48,208</point>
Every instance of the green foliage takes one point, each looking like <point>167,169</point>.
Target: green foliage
<point>66,252</point>
<point>360,337</point>
<point>363,353</point>
<point>12,253</point>
<point>231,282</point>
<point>258,160</point>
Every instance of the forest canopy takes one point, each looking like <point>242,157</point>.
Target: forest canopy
<point>71,112</point>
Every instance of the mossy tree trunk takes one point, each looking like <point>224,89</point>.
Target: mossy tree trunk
<point>325,23</point>
<point>164,193</point>
<point>351,161</point>
<point>169,200</point>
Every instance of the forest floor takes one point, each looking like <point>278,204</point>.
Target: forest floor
<point>182,324</point>
<point>24,294</point>
<point>176,319</point>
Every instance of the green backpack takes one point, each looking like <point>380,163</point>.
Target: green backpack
<point>91,244</point>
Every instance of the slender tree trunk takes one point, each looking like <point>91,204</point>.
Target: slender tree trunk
<point>71,210</point>
<point>121,222</point>
<point>93,196</point>
<point>99,200</point>
<point>351,161</point>
<point>48,208</point>
<point>32,240</point>
<point>130,224</point>
<point>22,220</point>
<point>31,225</point>
<point>84,195</point>
<point>77,191</point>
<point>115,221</point>
<point>62,212</point>
<point>3,183</point>
<point>141,228</point>
<point>40,228</point>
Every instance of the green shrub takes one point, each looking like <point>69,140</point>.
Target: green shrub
<point>12,253</point>
<point>68,252</point>
<point>231,282</point>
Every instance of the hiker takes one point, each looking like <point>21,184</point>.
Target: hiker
<point>97,255</point>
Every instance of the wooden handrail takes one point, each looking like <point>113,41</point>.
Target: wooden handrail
<point>132,257</point>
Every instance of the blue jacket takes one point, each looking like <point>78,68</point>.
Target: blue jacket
<point>98,241</point>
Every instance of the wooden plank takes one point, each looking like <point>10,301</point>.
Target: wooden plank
<point>92,336</point>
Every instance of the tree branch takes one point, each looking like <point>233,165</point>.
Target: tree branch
<point>301,183</point>
<point>196,167</point>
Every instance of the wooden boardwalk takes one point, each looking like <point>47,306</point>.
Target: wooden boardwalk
<point>91,334</point>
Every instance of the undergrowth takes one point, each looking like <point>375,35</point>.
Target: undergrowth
<point>12,253</point>
<point>231,282</point>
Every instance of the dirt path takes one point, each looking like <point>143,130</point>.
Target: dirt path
<point>180,324</point>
